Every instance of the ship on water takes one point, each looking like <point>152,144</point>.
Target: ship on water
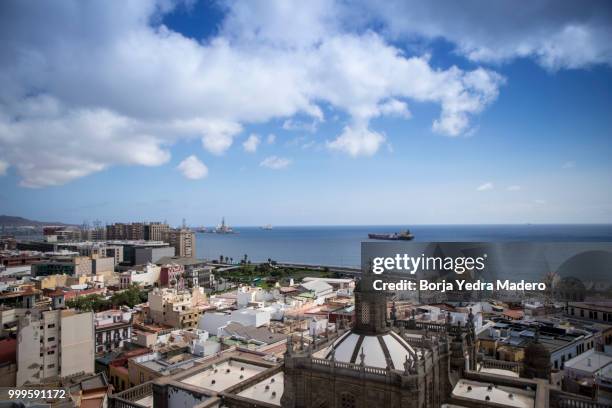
<point>395,236</point>
<point>267,227</point>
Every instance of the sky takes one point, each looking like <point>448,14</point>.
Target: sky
<point>306,113</point>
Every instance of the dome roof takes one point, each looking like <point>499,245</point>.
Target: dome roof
<point>375,348</point>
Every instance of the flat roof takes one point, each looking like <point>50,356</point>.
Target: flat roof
<point>269,390</point>
<point>589,361</point>
<point>179,260</point>
<point>222,376</point>
<point>504,396</point>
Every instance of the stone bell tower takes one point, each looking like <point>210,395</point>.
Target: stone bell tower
<point>370,308</point>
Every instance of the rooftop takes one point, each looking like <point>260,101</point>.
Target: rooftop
<point>269,390</point>
<point>502,396</point>
<point>590,361</point>
<point>257,334</point>
<point>222,376</point>
<point>179,260</point>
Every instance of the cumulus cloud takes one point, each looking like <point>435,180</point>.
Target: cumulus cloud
<point>485,186</point>
<point>275,162</point>
<point>556,34</point>
<point>357,141</point>
<point>148,87</point>
<point>250,145</point>
<point>192,168</point>
<point>271,138</point>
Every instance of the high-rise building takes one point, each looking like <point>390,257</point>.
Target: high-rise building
<point>155,231</point>
<point>54,343</point>
<point>183,241</point>
<point>117,231</point>
<point>137,231</point>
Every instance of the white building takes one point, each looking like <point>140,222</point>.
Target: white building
<point>202,346</point>
<point>246,295</point>
<point>54,343</point>
<point>251,317</point>
<point>149,276</point>
<point>212,321</point>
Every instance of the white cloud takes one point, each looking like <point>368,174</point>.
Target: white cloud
<point>393,107</point>
<point>3,167</point>
<point>148,86</point>
<point>556,34</point>
<point>298,125</point>
<point>271,138</point>
<point>514,188</point>
<point>485,186</point>
<point>250,145</point>
<point>192,168</point>
<point>357,141</point>
<point>275,162</point>
<point>569,165</point>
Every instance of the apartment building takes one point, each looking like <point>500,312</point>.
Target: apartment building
<point>174,308</point>
<point>183,241</point>
<point>155,231</point>
<point>112,329</point>
<point>54,343</point>
<point>121,231</point>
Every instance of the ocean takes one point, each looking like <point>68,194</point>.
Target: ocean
<point>340,245</point>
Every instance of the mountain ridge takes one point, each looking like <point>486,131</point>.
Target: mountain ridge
<point>14,221</point>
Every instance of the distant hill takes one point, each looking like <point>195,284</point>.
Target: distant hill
<point>11,221</point>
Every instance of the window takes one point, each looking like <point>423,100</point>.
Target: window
<point>50,352</point>
<point>347,400</point>
<point>51,339</point>
<point>51,366</point>
<point>50,326</point>
<point>365,313</point>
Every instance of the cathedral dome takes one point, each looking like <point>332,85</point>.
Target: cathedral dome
<point>376,350</point>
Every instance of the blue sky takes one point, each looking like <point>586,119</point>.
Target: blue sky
<point>404,116</point>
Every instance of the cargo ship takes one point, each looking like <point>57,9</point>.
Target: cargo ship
<point>396,236</point>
